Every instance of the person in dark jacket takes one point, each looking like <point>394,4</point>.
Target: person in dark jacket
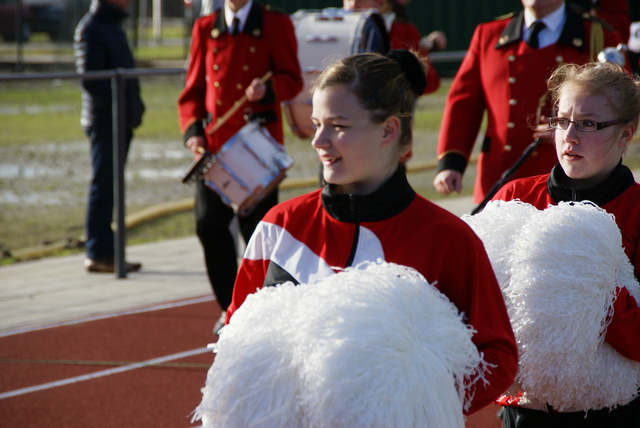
<point>100,43</point>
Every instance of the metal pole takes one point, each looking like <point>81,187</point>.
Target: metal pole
<point>118,106</point>
<point>133,24</point>
<point>156,15</point>
<point>118,78</point>
<point>507,175</point>
<point>19,19</point>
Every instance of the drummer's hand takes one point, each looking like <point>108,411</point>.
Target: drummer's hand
<point>544,131</point>
<point>256,90</point>
<point>448,181</point>
<point>196,144</point>
<point>434,41</point>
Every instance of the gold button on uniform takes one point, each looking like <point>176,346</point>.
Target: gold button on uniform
<point>507,147</point>
<point>513,102</point>
<point>511,125</point>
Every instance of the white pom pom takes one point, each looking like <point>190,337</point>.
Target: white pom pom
<point>562,270</point>
<point>386,351</point>
<point>564,282</point>
<point>373,346</point>
<point>252,356</point>
<point>497,225</point>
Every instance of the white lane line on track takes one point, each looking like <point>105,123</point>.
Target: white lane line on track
<point>111,315</point>
<point>103,373</point>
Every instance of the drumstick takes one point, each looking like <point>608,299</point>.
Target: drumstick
<point>222,119</point>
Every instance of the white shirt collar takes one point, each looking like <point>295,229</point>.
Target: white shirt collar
<point>554,23</point>
<point>242,14</point>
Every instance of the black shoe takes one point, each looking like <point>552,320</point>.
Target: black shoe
<point>107,265</point>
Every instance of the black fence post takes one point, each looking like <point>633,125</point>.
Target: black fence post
<point>119,150</point>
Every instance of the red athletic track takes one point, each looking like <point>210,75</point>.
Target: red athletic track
<point>80,376</point>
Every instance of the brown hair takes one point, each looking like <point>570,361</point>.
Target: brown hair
<point>386,85</point>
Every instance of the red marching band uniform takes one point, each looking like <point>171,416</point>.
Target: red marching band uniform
<point>264,45</point>
<point>508,79</point>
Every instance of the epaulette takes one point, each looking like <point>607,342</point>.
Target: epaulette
<point>589,17</point>
<point>505,16</point>
<point>274,9</point>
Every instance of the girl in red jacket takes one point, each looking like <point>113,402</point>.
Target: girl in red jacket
<point>598,108</point>
<point>362,111</point>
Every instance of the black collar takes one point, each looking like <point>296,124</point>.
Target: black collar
<point>389,200</point>
<point>620,179</point>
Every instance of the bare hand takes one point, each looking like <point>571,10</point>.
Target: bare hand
<point>256,90</point>
<point>434,41</point>
<point>196,144</point>
<point>544,131</point>
<point>448,181</point>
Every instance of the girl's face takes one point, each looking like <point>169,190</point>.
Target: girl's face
<point>587,158</point>
<point>357,155</point>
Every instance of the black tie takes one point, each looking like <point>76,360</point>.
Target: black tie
<point>532,40</point>
<point>235,25</point>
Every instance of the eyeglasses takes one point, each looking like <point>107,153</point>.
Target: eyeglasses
<point>585,125</point>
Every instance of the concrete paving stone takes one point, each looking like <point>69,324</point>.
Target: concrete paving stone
<point>51,290</point>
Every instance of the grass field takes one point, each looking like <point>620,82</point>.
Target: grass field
<point>44,163</point>
<point>44,170</point>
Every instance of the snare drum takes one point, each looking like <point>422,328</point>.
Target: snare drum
<point>325,36</point>
<point>246,169</point>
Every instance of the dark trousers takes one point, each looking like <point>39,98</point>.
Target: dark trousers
<point>627,416</point>
<point>99,212</point>
<point>213,218</point>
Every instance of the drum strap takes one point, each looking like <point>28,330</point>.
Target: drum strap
<point>263,117</point>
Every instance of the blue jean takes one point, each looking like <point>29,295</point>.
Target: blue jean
<point>99,212</point>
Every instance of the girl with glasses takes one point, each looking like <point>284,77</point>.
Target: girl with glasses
<point>598,108</point>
